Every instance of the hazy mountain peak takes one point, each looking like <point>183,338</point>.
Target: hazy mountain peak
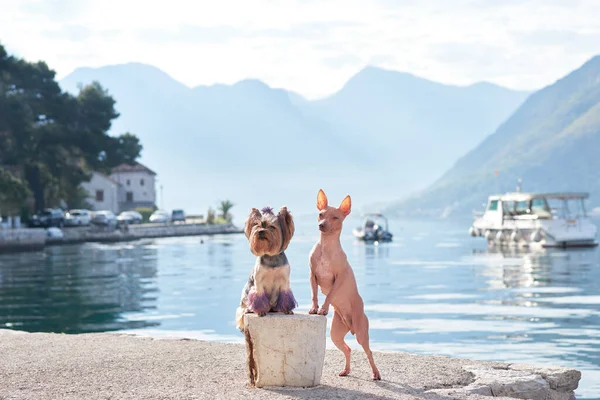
<point>371,75</point>
<point>249,86</point>
<point>131,68</point>
<point>252,84</point>
<point>134,72</point>
<point>550,142</point>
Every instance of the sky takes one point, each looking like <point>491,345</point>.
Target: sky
<point>310,46</point>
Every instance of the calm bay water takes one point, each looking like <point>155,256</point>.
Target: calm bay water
<point>434,290</point>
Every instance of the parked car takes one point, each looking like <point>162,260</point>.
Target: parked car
<point>160,216</point>
<point>78,218</point>
<point>177,215</point>
<point>131,217</point>
<point>104,217</point>
<point>47,218</point>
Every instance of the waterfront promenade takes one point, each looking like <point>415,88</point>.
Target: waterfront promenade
<point>12,240</point>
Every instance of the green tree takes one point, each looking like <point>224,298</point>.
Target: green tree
<point>13,193</point>
<point>56,139</point>
<point>225,206</point>
<point>77,197</point>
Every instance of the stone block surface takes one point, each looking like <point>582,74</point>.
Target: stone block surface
<point>286,350</point>
<point>561,379</point>
<point>524,381</point>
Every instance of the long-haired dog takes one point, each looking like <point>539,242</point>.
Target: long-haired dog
<point>329,269</point>
<point>268,286</point>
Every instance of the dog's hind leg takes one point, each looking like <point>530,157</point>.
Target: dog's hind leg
<point>338,332</point>
<point>362,337</point>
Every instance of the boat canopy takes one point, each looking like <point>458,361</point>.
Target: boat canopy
<point>530,196</point>
<point>369,218</point>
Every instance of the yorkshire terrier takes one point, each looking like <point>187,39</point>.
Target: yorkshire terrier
<point>268,286</point>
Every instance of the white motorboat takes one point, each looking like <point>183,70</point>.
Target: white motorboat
<point>544,219</point>
<point>373,229</point>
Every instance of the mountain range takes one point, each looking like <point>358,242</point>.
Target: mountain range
<point>382,136</point>
<point>551,141</point>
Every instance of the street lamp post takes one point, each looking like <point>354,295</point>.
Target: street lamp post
<point>162,203</point>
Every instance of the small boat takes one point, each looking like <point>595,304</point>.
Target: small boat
<point>374,229</point>
<point>544,219</point>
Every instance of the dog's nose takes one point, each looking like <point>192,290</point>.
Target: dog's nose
<point>261,234</point>
<point>322,225</point>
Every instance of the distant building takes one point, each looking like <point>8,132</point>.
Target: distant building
<point>137,186</point>
<point>103,192</point>
<point>127,188</point>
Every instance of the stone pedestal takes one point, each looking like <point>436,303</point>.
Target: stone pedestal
<point>285,350</point>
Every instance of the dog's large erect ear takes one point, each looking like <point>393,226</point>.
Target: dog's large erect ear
<point>321,200</point>
<point>287,226</point>
<point>346,205</point>
<point>254,218</point>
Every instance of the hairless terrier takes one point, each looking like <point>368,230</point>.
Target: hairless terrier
<point>329,269</point>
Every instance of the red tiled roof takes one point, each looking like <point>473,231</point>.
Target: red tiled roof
<point>110,178</point>
<point>137,167</point>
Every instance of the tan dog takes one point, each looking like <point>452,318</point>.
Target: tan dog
<point>329,269</point>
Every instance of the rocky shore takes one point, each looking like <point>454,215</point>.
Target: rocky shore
<point>116,366</point>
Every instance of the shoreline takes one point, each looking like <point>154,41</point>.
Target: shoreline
<point>36,239</point>
<point>127,366</point>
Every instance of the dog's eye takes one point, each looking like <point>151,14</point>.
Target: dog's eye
<point>271,227</point>
<point>335,218</point>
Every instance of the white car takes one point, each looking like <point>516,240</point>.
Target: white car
<point>78,218</point>
<point>160,216</point>
<point>131,217</point>
<point>104,217</point>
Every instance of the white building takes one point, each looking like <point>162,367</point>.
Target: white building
<point>137,186</point>
<point>103,192</point>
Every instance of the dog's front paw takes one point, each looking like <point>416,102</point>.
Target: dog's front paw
<point>314,309</point>
<point>286,302</point>
<point>259,303</point>
<point>323,311</point>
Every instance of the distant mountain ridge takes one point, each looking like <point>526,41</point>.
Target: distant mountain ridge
<point>382,135</point>
<point>414,120</point>
<point>551,142</point>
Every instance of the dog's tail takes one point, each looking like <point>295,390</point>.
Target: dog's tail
<point>239,318</point>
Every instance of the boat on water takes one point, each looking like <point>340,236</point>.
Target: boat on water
<point>536,219</point>
<point>374,229</point>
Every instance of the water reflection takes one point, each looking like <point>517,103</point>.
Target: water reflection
<point>76,289</point>
<point>373,251</point>
<point>511,268</point>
